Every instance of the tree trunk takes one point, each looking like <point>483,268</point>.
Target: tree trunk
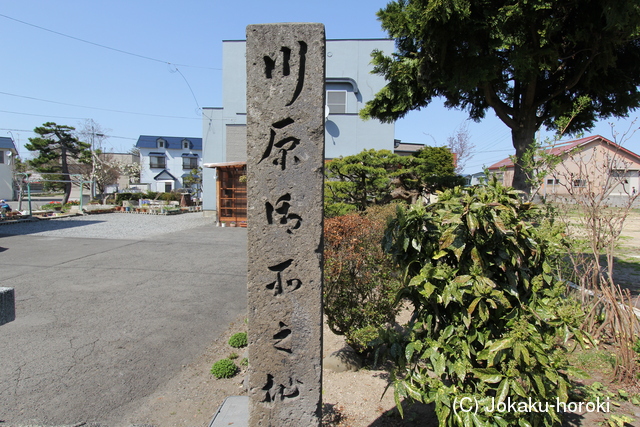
<point>65,176</point>
<point>522,139</point>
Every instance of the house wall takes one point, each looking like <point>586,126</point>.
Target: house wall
<point>6,178</point>
<point>345,133</point>
<point>173,165</point>
<point>348,72</point>
<point>589,164</point>
<point>7,155</point>
<point>236,143</point>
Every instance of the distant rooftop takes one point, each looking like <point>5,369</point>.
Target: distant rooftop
<point>172,142</point>
<point>7,143</point>
<point>406,148</point>
<point>563,147</point>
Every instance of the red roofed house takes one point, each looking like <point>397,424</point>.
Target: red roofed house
<point>588,164</point>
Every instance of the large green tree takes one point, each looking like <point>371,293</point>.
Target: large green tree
<point>56,145</point>
<point>529,61</point>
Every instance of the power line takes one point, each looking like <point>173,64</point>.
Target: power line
<point>97,108</point>
<point>43,115</point>
<point>17,130</point>
<point>490,151</point>
<point>187,82</point>
<point>107,47</point>
<point>108,136</point>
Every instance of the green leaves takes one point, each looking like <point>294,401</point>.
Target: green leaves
<point>488,375</point>
<point>487,313</point>
<point>56,145</point>
<point>374,177</point>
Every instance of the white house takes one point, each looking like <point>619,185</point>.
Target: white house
<point>8,153</point>
<point>349,85</point>
<point>166,160</point>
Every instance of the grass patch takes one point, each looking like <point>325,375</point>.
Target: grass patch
<point>594,360</point>
<point>630,263</point>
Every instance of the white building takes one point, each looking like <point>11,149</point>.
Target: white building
<point>8,153</point>
<point>166,160</point>
<point>349,85</point>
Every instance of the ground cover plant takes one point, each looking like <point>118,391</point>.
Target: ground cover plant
<point>490,321</point>
<point>152,195</point>
<point>238,340</point>
<point>224,368</point>
<point>227,368</point>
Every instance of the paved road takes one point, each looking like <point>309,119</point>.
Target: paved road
<point>101,323</point>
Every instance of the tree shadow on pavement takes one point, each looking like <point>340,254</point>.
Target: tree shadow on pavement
<point>42,226</point>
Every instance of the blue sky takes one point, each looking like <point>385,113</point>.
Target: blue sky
<point>147,67</point>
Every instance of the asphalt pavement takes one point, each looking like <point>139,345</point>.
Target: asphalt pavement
<point>101,323</point>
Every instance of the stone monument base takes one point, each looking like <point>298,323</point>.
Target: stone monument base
<point>233,411</point>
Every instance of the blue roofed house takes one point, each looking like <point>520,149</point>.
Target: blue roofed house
<point>349,85</point>
<point>8,153</point>
<point>166,160</point>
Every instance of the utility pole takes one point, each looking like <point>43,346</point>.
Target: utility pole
<point>94,162</point>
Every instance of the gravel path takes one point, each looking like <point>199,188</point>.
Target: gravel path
<point>110,226</point>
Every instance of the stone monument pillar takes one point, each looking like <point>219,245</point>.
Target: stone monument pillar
<point>285,160</point>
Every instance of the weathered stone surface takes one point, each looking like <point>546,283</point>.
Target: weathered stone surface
<point>345,359</point>
<point>7,305</point>
<point>285,159</point>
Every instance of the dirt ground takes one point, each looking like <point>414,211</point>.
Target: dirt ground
<point>353,399</point>
<point>631,230</point>
<point>627,266</point>
<point>192,397</point>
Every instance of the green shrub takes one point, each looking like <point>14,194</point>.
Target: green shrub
<point>238,340</point>
<point>224,368</point>
<point>172,196</point>
<point>128,196</point>
<point>490,319</point>
<point>362,340</point>
<point>360,283</point>
<point>51,205</point>
<point>336,209</point>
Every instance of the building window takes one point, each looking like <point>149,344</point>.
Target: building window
<point>189,163</point>
<point>185,144</point>
<point>162,143</point>
<point>553,181</point>
<point>157,162</point>
<point>580,183</point>
<point>337,101</point>
<point>1,156</point>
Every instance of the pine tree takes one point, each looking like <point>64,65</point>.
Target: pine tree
<point>56,145</point>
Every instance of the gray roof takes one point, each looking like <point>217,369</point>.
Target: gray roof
<point>7,143</point>
<point>173,142</point>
